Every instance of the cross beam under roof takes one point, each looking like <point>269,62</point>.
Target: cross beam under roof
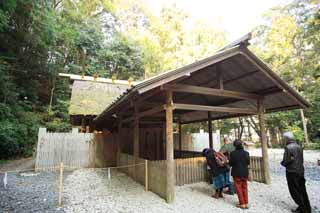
<point>214,108</point>
<point>211,91</point>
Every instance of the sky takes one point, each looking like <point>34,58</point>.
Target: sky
<point>235,17</point>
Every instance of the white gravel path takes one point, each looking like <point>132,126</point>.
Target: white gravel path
<point>91,191</point>
<point>310,156</point>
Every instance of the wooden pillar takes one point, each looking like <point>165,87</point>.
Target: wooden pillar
<point>210,130</point>
<point>180,138</point>
<point>264,145</point>
<point>119,142</point>
<point>136,139</point>
<point>170,183</point>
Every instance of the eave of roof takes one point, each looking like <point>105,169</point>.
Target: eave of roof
<point>225,53</point>
<point>168,76</point>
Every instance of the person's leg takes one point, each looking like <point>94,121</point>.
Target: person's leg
<point>305,203</point>
<point>293,185</point>
<point>237,184</point>
<point>245,191</point>
<point>220,193</point>
<point>217,186</point>
<point>229,184</point>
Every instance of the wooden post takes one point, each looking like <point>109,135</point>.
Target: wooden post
<point>146,187</point>
<point>304,123</point>
<point>264,145</point>
<point>170,188</point>
<point>60,183</point>
<point>136,140</point>
<point>119,145</point>
<point>210,130</point>
<point>180,138</point>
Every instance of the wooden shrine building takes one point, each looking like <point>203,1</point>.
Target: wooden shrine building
<point>231,83</point>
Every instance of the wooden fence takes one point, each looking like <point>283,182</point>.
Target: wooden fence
<point>190,170</point>
<point>73,149</point>
<point>193,170</point>
<point>256,169</point>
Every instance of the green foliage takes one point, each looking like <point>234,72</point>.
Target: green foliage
<point>297,132</point>
<point>289,42</point>
<point>121,39</point>
<point>120,65</point>
<point>38,40</point>
<point>312,146</point>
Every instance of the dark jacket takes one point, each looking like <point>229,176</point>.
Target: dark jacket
<point>239,161</point>
<point>215,170</point>
<point>293,158</point>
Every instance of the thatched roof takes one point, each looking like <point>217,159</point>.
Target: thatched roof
<point>92,97</point>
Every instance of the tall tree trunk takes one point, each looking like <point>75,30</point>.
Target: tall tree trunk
<point>304,123</point>
<point>254,125</point>
<point>241,128</point>
<point>249,131</point>
<point>273,136</point>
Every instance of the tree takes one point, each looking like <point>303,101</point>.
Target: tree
<point>289,43</point>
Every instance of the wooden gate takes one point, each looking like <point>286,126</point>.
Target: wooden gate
<point>73,149</point>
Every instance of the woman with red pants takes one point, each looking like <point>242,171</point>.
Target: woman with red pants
<point>239,161</point>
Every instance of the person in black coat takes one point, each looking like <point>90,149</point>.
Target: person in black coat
<point>293,161</point>
<point>239,161</point>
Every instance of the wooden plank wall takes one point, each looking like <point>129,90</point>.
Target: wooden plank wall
<point>104,150</point>
<point>190,170</point>
<point>73,149</point>
<point>151,143</point>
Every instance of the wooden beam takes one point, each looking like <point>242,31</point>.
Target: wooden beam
<point>219,79</point>
<point>264,145</point>
<point>214,109</point>
<point>170,183</point>
<point>210,130</point>
<point>218,118</point>
<point>212,82</point>
<point>149,112</point>
<point>213,92</point>
<point>129,119</point>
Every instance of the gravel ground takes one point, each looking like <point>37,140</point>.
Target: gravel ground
<point>91,191</point>
<point>88,191</point>
<point>312,170</point>
<point>37,193</point>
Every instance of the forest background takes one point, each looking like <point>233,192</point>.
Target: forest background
<point>123,40</point>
